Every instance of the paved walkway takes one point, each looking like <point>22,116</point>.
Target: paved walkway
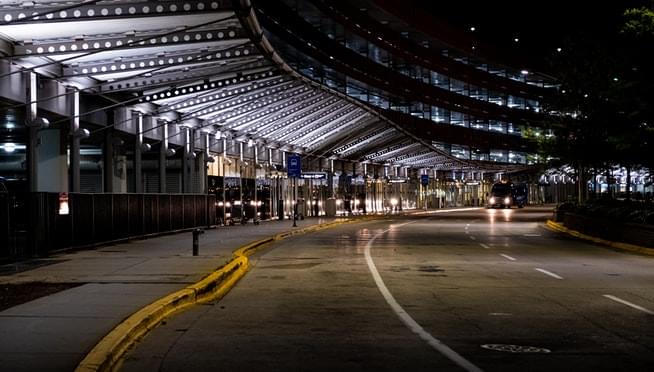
<point>55,332</point>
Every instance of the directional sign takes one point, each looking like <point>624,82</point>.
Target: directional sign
<point>424,179</point>
<point>294,166</point>
<point>314,175</point>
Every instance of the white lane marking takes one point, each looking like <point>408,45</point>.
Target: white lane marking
<point>500,314</point>
<point>532,234</point>
<point>447,210</point>
<point>508,257</point>
<point>618,299</point>
<point>473,238</point>
<point>484,245</point>
<point>548,273</point>
<point>467,232</point>
<point>407,319</point>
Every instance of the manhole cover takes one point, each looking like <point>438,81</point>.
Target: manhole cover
<point>515,348</point>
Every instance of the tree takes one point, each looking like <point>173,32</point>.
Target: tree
<point>604,115</point>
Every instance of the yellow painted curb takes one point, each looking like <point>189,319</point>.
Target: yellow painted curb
<point>112,347</point>
<point>106,355</point>
<point>617,245</point>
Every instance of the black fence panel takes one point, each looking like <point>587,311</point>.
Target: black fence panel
<point>103,211</point>
<point>189,211</point>
<point>37,225</point>
<point>150,214</point>
<point>165,218</point>
<point>31,224</point>
<point>121,216</point>
<point>82,212</point>
<point>19,244</point>
<point>200,210</point>
<point>176,212</point>
<point>60,226</point>
<point>135,213</point>
<point>5,228</point>
<point>211,210</point>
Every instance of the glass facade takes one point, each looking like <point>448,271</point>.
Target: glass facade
<point>392,60</point>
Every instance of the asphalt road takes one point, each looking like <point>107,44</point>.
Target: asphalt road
<point>449,291</point>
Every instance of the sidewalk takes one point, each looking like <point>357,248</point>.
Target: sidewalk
<point>55,332</point>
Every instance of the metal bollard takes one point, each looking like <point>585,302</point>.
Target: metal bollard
<point>196,241</point>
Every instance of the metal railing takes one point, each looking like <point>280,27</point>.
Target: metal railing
<point>32,225</point>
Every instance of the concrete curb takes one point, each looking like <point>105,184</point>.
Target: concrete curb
<point>617,245</point>
<point>107,353</point>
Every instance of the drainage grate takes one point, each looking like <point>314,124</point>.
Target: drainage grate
<point>515,348</point>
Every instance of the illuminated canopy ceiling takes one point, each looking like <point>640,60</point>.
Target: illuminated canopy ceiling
<point>209,63</point>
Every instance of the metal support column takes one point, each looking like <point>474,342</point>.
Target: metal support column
<point>187,162</point>
<point>33,139</point>
<point>202,170</point>
<point>163,152</point>
<point>108,158</point>
<point>137,120</point>
<point>73,102</point>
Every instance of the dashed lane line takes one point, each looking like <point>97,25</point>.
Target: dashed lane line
<point>407,319</point>
<point>473,238</point>
<point>549,273</point>
<point>484,245</point>
<point>632,305</point>
<point>508,257</point>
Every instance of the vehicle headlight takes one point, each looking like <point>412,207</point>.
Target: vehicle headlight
<point>507,200</point>
<point>492,200</point>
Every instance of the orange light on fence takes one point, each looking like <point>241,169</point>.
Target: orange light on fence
<point>63,203</point>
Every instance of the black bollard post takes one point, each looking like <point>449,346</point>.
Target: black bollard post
<point>196,241</point>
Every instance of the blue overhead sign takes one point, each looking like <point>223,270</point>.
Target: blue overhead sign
<point>424,179</point>
<point>294,166</point>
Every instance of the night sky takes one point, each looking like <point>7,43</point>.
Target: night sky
<point>541,27</point>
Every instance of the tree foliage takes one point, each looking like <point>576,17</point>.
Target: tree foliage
<point>604,105</point>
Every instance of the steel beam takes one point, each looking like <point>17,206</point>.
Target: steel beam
<point>93,11</point>
<point>153,61</point>
<point>148,39</point>
<point>187,75</point>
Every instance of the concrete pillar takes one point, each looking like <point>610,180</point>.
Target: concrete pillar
<point>120,170</point>
<point>53,170</point>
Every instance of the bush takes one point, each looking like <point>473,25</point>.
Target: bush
<point>615,210</point>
